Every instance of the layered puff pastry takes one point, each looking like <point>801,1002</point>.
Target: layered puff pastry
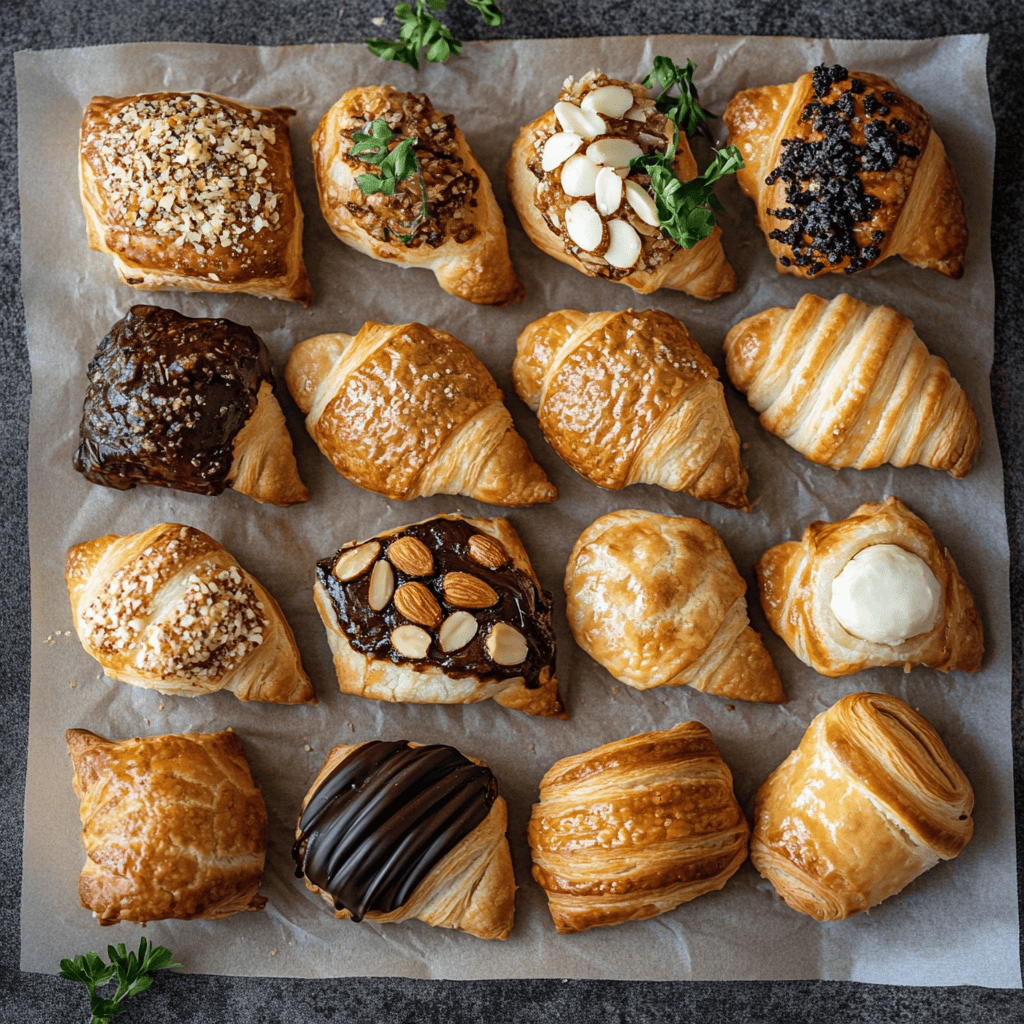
<point>578,200</point>
<point>444,611</point>
<point>460,237</point>
<point>849,384</point>
<point>657,601</point>
<point>873,589</point>
<point>394,831</point>
<point>634,828</point>
<point>188,403</point>
<point>407,410</point>
<point>845,171</point>
<point>869,800</point>
<point>629,397</point>
<point>169,609</point>
<point>193,192</point>
<point>173,827</point>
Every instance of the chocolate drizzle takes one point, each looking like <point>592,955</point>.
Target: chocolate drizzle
<point>384,817</point>
<point>167,395</point>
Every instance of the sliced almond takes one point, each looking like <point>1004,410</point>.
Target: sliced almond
<point>411,556</point>
<point>506,645</point>
<point>382,585</point>
<point>578,176</point>
<point>411,641</point>
<point>642,203</point>
<point>467,591</point>
<point>355,561</point>
<point>418,604</point>
<point>558,149</point>
<point>624,244</point>
<point>607,191</point>
<point>487,551</point>
<point>584,226</point>
<point>456,631</point>
<point>585,123</point>
<point>614,152</point>
<point>610,100</point>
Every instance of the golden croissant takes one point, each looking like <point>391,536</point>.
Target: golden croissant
<point>629,397</point>
<point>845,171</point>
<point>848,384</point>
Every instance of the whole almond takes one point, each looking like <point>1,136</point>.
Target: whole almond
<point>411,641</point>
<point>506,645</point>
<point>487,551</point>
<point>418,604</point>
<point>354,561</point>
<point>411,556</point>
<point>382,585</point>
<point>466,591</point>
<point>456,631</point>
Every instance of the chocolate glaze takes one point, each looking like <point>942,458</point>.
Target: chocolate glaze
<point>520,604</point>
<point>167,395</point>
<point>383,817</point>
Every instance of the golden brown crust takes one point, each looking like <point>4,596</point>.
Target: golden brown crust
<point>578,372</point>
<point>230,223</point>
<point>795,582</point>
<point>657,601</point>
<point>848,384</point>
<point>868,801</point>
<point>169,609</point>
<point>173,827</point>
<point>406,411</point>
<point>464,243</point>
<point>634,828</point>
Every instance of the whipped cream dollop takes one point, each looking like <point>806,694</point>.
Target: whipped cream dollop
<point>886,594</point>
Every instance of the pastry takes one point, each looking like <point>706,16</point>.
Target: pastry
<point>393,831</point>
<point>187,403</point>
<point>872,589</point>
<point>445,611</point>
<point>629,397</point>
<point>657,601</point>
<point>634,828</point>
<point>462,237</point>
<point>845,171</point>
<point>193,192</point>
<point>173,827</point>
<point>561,180</point>
<point>169,609</point>
<point>869,800</point>
<point>848,384</point>
<point>406,411</point>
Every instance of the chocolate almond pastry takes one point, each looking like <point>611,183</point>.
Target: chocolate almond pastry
<point>187,403</point>
<point>397,830</point>
<point>445,611</point>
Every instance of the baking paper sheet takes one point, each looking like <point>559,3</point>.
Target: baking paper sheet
<point>956,924</point>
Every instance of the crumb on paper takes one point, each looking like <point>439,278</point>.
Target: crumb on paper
<point>531,749</point>
<point>160,707</point>
<point>273,952</point>
<point>306,747</point>
<point>49,639</point>
<point>615,690</point>
<point>73,684</point>
<point>730,707</point>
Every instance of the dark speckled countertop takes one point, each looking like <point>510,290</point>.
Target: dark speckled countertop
<point>47,24</point>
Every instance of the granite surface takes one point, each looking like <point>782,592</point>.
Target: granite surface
<point>50,24</point>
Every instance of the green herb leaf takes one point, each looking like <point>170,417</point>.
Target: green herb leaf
<point>422,31</point>
<point>684,109</point>
<point>489,9</point>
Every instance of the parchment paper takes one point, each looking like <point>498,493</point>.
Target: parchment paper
<point>956,924</point>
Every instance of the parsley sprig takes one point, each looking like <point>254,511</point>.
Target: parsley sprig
<point>422,31</point>
<point>684,109</point>
<point>133,975</point>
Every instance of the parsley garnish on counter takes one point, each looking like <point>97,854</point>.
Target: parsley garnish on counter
<point>133,975</point>
<point>421,30</point>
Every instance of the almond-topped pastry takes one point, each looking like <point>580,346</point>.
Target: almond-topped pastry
<point>445,611</point>
<point>193,192</point>
<point>398,181</point>
<point>578,199</point>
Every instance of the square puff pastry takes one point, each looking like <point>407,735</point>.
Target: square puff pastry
<point>173,826</point>
<point>193,192</point>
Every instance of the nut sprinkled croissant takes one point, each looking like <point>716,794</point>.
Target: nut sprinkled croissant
<point>848,384</point>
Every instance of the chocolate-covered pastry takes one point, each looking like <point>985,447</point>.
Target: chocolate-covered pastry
<point>187,403</point>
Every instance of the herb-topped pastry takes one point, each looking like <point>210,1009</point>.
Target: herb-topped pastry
<point>845,171</point>
<point>398,182</point>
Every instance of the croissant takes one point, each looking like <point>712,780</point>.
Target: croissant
<point>873,589</point>
<point>629,397</point>
<point>408,411</point>
<point>393,831</point>
<point>445,611</point>
<point>455,229</point>
<point>193,192</point>
<point>186,402</point>
<point>845,171</point>
<point>173,827</point>
<point>657,601</point>
<point>634,828</point>
<point>869,800</point>
<point>573,208</point>
<point>848,384</point>
<point>170,610</point>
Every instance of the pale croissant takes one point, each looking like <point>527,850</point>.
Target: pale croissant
<point>848,384</point>
<point>845,171</point>
<point>629,397</point>
<point>169,609</point>
<point>408,411</point>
